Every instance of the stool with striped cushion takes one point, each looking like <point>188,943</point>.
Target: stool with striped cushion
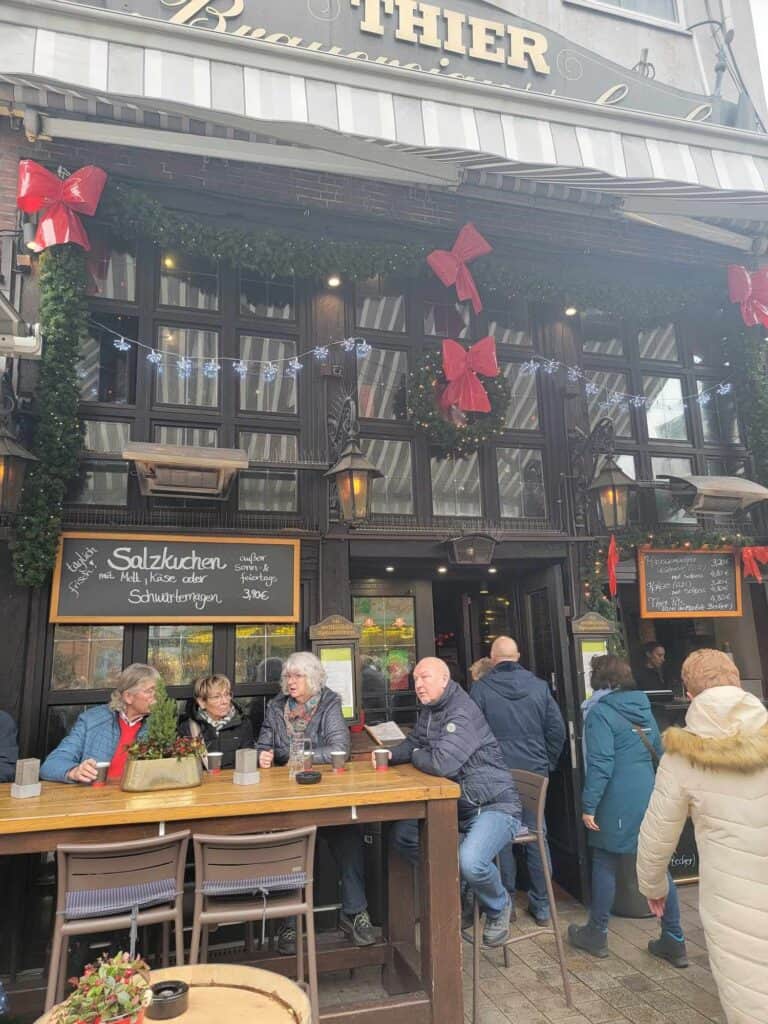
<point>104,887</point>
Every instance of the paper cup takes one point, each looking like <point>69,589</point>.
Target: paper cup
<point>214,761</point>
<point>381,759</point>
<point>307,761</point>
<point>102,767</point>
<point>338,760</point>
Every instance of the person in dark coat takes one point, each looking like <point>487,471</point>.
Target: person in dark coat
<point>217,719</point>
<point>452,739</point>
<point>308,711</point>
<point>619,781</point>
<point>527,723</point>
<point>9,748</point>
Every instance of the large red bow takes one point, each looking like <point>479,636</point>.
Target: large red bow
<point>60,202</point>
<point>751,291</point>
<point>461,367</point>
<point>749,559</point>
<point>451,267</point>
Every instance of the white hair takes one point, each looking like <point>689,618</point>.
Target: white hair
<point>308,665</point>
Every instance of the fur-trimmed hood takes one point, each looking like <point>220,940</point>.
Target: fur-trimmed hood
<point>726,729</point>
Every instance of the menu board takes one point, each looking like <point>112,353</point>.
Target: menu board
<point>676,583</point>
<point>130,577</point>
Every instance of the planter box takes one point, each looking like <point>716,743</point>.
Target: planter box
<point>163,773</point>
<point>138,1019</point>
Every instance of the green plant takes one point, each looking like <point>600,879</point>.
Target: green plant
<point>162,740</point>
<point>114,988</point>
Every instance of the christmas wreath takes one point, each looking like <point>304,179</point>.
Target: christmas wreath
<point>451,432</point>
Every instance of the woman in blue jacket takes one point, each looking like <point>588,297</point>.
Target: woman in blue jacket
<point>622,746</point>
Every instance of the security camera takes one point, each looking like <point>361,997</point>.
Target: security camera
<point>17,338</point>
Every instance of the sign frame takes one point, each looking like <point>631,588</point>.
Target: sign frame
<point>337,634</point>
<point>699,613</point>
<point>55,617</point>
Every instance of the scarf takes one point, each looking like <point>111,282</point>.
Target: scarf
<point>298,715</point>
<point>217,724</point>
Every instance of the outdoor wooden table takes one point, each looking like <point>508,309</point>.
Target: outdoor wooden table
<point>69,813</point>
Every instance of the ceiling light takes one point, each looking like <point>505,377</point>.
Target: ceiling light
<point>169,262</point>
<point>570,311</point>
<point>333,281</point>
<point>389,568</point>
<point>493,569</point>
<point>442,568</point>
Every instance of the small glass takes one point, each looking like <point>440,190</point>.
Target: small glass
<point>308,757</point>
<point>295,757</point>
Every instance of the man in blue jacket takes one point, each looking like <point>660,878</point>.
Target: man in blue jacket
<point>527,723</point>
<point>452,739</point>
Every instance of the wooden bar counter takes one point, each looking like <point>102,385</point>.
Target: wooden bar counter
<point>72,813</point>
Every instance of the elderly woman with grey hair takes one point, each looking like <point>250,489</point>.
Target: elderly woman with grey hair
<point>104,732</point>
<point>307,709</point>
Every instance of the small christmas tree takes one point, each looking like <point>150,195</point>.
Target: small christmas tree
<point>161,739</point>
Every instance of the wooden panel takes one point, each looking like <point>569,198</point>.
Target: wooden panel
<point>440,938</point>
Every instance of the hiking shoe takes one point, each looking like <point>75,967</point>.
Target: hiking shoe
<point>286,940</point>
<point>588,939</point>
<point>668,948</point>
<point>496,930</point>
<point>358,928</point>
<point>542,922</point>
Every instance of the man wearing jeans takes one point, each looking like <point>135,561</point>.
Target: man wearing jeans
<point>452,739</point>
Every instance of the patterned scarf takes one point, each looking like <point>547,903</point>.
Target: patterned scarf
<point>217,724</point>
<point>298,715</point>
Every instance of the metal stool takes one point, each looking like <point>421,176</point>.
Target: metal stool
<point>104,887</point>
<point>273,874</point>
<point>533,795</point>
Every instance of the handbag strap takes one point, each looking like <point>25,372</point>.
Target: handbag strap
<point>640,732</point>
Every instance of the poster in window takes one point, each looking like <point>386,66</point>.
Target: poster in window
<point>339,664</point>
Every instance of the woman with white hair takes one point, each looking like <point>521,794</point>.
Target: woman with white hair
<point>307,709</point>
<point>104,732</point>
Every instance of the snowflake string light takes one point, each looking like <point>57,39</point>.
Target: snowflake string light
<point>725,388</point>
<point>240,368</point>
<point>362,348</point>
<point>550,366</point>
<point>293,367</point>
<point>211,368</point>
<point>638,401</point>
<point>704,398</point>
<point>184,367</point>
<point>121,344</point>
<point>350,344</point>
<point>591,389</point>
<point>574,374</point>
<point>320,352</point>
<point>154,357</point>
<point>269,372</point>
<point>529,368</point>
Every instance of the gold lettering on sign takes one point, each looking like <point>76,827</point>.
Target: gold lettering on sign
<point>415,17</point>
<point>615,94</point>
<point>529,46</point>
<point>372,15</point>
<point>454,29</point>
<point>484,36</point>
<point>189,8</point>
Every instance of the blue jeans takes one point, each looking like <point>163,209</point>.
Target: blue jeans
<point>482,837</point>
<point>604,865</point>
<point>538,900</point>
<point>346,844</point>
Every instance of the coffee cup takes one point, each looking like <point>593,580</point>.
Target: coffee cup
<point>338,760</point>
<point>307,761</point>
<point>102,768</point>
<point>214,761</point>
<point>381,759</point>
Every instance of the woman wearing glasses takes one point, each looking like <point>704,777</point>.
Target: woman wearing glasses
<point>217,719</point>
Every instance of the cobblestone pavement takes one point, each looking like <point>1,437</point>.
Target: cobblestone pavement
<point>629,987</point>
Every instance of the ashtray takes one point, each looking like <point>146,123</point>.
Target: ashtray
<point>169,999</point>
<point>308,778</point>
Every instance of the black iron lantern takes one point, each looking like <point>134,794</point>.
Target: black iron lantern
<point>610,490</point>
<point>13,465</point>
<point>472,549</point>
<point>354,475</point>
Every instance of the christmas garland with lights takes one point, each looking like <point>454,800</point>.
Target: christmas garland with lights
<point>464,433</point>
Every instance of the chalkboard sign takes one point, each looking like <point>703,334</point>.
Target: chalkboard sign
<point>130,577</point>
<point>677,584</point>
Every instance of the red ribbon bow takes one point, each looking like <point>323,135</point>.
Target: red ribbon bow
<point>461,367</point>
<point>751,291</point>
<point>60,202</point>
<point>749,559</point>
<point>451,267</point>
<point>611,564</point>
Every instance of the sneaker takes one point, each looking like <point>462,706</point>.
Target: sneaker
<point>588,939</point>
<point>496,930</point>
<point>286,940</point>
<point>668,948</point>
<point>541,921</point>
<point>358,928</point>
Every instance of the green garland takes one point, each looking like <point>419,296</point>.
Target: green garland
<point>426,383</point>
<point>58,433</point>
<point>749,356</point>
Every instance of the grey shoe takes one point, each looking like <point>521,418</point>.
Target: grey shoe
<point>358,928</point>
<point>542,922</point>
<point>670,949</point>
<point>496,930</point>
<point>286,940</point>
<point>588,939</point>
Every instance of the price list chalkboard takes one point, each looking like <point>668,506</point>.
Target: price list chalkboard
<point>110,577</point>
<point>676,584</point>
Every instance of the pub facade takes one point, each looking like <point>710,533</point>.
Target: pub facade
<point>259,257</point>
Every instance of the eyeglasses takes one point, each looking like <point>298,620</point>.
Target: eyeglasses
<point>295,675</point>
<point>219,696</point>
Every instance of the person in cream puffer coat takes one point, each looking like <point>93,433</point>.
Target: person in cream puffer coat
<point>716,770</point>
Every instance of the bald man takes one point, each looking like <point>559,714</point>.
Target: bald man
<point>527,723</point>
<point>452,739</point>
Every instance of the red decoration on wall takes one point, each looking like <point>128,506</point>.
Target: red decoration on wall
<point>451,267</point>
<point>749,559</point>
<point>461,367</point>
<point>611,563</point>
<point>59,202</point>
<point>750,290</point>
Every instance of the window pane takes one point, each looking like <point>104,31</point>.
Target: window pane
<point>601,403</point>
<point>194,388</point>
<point>719,421</point>
<point>86,657</point>
<point>260,651</point>
<point>379,306</point>
<point>510,326</point>
<point>446,320</point>
<point>387,655</point>
<point>268,490</point>
<point>521,483</point>
<point>523,408</point>
<point>110,268</point>
<point>106,436</point>
<point>381,384</point>
<point>456,486</point>
<point>667,509</point>
<point>180,653</point>
<point>101,483</point>
<point>600,337</point>
<point>189,281</point>
<point>105,373</point>
<point>394,492</point>
<point>726,467</point>
<point>196,437</point>
<point>659,343</point>
<point>664,411</point>
<point>257,394</point>
<point>274,298</point>
<point>666,9</point>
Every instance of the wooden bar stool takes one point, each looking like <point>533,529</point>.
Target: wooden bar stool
<point>272,873</point>
<point>533,795</point>
<point>105,887</point>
